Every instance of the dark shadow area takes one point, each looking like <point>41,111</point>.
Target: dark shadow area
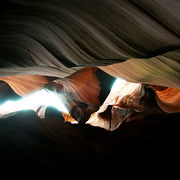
<point>33,147</point>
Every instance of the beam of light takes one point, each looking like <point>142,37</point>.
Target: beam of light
<point>35,100</point>
<point>118,84</point>
<point>122,87</point>
<point>119,89</point>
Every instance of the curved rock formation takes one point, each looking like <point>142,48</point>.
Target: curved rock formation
<point>57,38</point>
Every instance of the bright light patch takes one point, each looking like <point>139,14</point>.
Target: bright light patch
<point>35,100</point>
<point>118,84</point>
